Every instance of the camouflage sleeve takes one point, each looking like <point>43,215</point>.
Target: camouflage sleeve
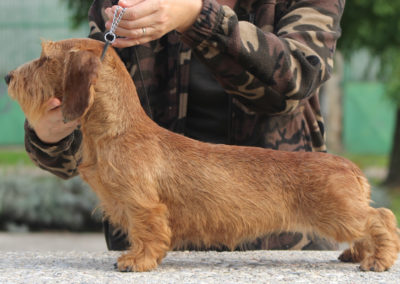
<point>61,159</point>
<point>276,62</point>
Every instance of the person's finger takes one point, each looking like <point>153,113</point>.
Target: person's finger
<point>140,10</point>
<point>148,20</point>
<point>130,12</point>
<point>140,31</point>
<point>133,28</point>
<point>128,3</point>
<point>127,42</point>
<point>53,103</point>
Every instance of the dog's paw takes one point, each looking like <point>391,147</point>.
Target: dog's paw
<point>346,256</point>
<point>129,263</point>
<point>373,264</point>
<point>127,269</point>
<point>125,263</point>
<point>350,255</point>
<point>353,255</point>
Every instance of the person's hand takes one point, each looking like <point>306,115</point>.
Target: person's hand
<point>50,128</point>
<point>146,20</point>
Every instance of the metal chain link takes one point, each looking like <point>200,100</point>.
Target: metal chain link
<point>116,19</point>
<point>110,36</point>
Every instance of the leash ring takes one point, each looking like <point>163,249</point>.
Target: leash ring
<point>110,37</point>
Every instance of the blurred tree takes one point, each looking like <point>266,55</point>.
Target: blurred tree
<point>79,11</point>
<point>375,25</point>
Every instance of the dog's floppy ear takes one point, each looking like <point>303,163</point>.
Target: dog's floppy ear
<point>80,74</point>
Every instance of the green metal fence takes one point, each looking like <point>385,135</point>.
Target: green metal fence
<point>23,24</point>
<point>368,114</point>
<point>369,118</point>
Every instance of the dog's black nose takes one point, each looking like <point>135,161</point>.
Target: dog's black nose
<point>7,78</point>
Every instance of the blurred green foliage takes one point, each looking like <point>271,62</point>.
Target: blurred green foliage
<point>79,11</point>
<point>375,25</point>
<point>367,161</point>
<point>10,157</point>
<point>395,203</point>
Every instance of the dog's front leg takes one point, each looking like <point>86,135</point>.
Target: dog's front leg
<point>149,235</point>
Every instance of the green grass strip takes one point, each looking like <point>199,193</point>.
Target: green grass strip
<point>14,157</point>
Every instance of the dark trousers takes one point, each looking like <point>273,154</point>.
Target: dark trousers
<point>116,239</point>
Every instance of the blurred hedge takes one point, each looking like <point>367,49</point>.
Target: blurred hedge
<point>35,201</point>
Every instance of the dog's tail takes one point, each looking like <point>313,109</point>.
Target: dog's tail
<point>364,184</point>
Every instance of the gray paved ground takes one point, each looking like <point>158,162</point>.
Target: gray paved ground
<point>189,267</point>
<point>56,241</point>
<point>31,263</point>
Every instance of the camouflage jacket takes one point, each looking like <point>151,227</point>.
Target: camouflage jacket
<point>271,56</point>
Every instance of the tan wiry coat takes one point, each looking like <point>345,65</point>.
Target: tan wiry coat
<point>167,190</point>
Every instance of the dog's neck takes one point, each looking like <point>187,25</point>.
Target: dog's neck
<point>116,107</point>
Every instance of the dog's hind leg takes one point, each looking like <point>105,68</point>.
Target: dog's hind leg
<point>378,249</point>
<point>356,253</point>
<point>381,230</point>
<point>149,235</point>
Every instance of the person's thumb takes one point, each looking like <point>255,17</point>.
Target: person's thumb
<point>53,103</point>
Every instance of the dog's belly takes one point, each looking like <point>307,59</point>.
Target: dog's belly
<point>202,225</point>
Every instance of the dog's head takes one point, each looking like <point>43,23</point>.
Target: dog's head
<point>67,70</point>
